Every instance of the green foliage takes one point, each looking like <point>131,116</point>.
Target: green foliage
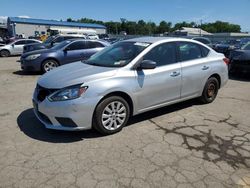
<point>148,28</point>
<point>220,27</point>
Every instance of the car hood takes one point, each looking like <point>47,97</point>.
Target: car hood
<point>74,73</point>
<point>41,51</point>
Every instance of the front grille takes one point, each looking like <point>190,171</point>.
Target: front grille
<point>42,92</point>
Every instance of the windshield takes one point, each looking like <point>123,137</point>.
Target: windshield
<point>117,55</point>
<point>49,40</point>
<point>61,45</point>
<point>246,46</point>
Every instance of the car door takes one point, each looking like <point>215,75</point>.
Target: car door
<point>195,68</point>
<point>91,48</point>
<point>74,52</point>
<point>17,47</point>
<point>162,84</point>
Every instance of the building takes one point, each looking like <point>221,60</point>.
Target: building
<point>192,32</point>
<point>31,27</point>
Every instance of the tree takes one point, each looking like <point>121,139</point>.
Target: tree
<point>147,28</point>
<point>70,20</point>
<point>220,27</point>
<point>164,27</point>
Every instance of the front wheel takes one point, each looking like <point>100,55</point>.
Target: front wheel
<point>111,115</point>
<point>210,90</point>
<point>4,53</point>
<point>49,65</point>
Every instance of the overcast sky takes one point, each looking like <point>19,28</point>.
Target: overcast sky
<point>234,11</point>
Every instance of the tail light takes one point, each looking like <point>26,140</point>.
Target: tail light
<point>226,60</point>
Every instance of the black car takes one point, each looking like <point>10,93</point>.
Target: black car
<point>50,42</point>
<point>240,60</point>
<point>226,46</point>
<point>104,36</point>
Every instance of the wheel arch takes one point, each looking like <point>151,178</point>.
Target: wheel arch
<point>217,76</point>
<point>5,50</point>
<point>122,94</point>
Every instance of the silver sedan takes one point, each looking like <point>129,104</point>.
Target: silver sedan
<point>16,47</point>
<point>125,79</point>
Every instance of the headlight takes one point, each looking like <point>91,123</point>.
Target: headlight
<point>68,93</point>
<point>32,57</point>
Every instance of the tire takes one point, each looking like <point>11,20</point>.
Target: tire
<point>4,53</point>
<point>109,119</point>
<point>210,90</point>
<point>48,65</point>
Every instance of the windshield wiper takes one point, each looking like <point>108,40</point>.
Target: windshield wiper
<point>94,64</point>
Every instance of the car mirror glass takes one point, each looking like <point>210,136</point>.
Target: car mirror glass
<point>147,64</point>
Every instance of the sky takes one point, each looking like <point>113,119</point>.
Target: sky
<point>233,11</point>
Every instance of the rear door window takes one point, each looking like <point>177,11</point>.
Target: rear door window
<point>78,45</point>
<point>21,42</point>
<point>93,44</point>
<point>31,42</point>
<point>189,51</point>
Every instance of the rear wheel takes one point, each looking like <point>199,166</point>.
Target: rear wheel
<point>210,90</point>
<point>111,115</point>
<point>49,65</point>
<point>4,53</point>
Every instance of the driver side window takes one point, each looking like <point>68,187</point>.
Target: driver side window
<point>163,54</point>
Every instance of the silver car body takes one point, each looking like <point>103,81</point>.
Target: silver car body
<point>147,90</point>
<point>16,49</point>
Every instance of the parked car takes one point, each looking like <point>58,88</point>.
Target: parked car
<point>226,46</point>
<point>66,52</point>
<point>244,41</point>
<point>125,79</point>
<point>114,40</point>
<point>92,36</point>
<point>240,60</point>
<point>51,41</point>
<point>16,47</point>
<point>104,36</point>
<point>204,40</point>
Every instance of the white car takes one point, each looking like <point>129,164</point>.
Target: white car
<point>92,36</point>
<point>126,79</point>
<point>16,47</point>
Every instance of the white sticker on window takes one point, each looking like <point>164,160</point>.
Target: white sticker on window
<point>142,44</point>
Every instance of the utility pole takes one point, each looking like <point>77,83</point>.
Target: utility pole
<point>200,27</point>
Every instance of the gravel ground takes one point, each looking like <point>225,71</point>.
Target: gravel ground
<point>184,145</point>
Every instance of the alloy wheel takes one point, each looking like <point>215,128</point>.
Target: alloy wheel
<point>49,65</point>
<point>114,115</point>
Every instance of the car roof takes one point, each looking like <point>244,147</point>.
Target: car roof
<point>156,39</point>
<point>94,40</point>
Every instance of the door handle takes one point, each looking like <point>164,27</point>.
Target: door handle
<point>174,74</point>
<point>205,67</point>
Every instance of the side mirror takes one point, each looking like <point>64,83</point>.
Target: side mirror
<point>13,45</point>
<point>147,64</point>
<point>66,49</point>
<point>52,43</point>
